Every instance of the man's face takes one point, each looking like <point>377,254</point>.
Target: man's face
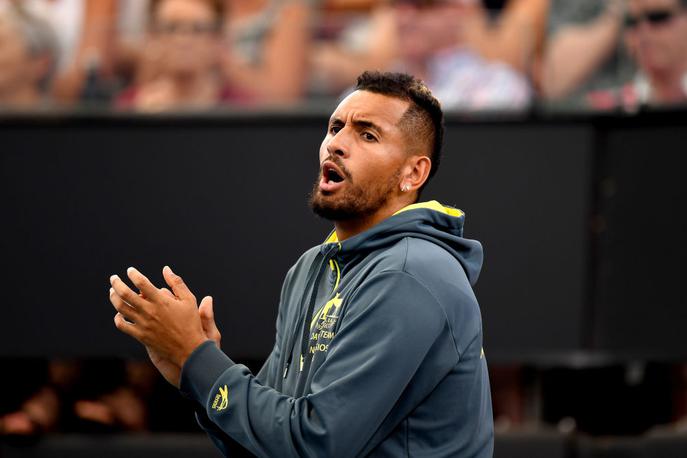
<point>660,45</point>
<point>360,157</point>
<point>185,32</point>
<point>424,29</point>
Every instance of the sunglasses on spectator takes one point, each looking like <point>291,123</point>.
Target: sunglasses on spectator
<point>194,28</point>
<point>653,17</point>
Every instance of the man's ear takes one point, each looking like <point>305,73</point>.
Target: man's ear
<point>415,173</point>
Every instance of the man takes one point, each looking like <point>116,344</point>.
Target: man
<point>378,349</point>
<point>432,45</point>
<point>180,67</point>
<point>656,36</point>
<point>27,59</point>
<point>582,52</point>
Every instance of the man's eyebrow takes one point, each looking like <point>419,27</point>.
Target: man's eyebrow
<point>359,123</point>
<point>367,124</point>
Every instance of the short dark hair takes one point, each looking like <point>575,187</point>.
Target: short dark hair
<point>423,119</point>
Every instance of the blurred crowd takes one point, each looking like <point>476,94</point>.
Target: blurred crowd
<point>88,396</point>
<point>503,55</point>
<point>100,396</point>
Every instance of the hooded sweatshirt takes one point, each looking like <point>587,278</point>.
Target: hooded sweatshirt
<point>378,351</point>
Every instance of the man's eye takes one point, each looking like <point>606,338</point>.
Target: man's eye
<point>369,137</point>
<point>334,129</point>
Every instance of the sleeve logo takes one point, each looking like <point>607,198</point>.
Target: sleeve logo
<point>221,401</point>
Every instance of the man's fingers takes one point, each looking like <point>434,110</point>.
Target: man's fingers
<point>168,293</point>
<point>144,285</point>
<point>177,284</point>
<point>127,294</point>
<point>126,327</point>
<point>129,312</point>
<point>207,319</point>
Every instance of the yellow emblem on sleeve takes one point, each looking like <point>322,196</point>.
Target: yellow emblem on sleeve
<point>221,400</point>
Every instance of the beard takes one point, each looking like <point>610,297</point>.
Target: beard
<point>354,201</point>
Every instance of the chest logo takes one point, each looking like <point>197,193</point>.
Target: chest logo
<point>328,313</point>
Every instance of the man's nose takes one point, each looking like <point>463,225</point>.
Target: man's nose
<point>337,145</point>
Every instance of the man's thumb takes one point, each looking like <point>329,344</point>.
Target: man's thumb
<point>205,308</point>
<point>207,319</point>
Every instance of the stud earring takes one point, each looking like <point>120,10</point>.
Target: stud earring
<point>405,187</point>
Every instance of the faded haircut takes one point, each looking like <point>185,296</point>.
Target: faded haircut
<point>423,121</point>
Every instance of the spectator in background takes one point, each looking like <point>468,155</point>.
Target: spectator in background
<point>506,31</point>
<point>361,37</point>
<point>583,52</point>
<point>180,67</point>
<point>270,44</point>
<point>28,405</point>
<point>27,59</point>
<point>509,31</point>
<point>656,37</point>
<point>84,35</point>
<point>70,396</point>
<point>432,47</point>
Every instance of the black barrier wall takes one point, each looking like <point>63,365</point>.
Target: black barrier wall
<point>224,202</point>
<point>641,275</point>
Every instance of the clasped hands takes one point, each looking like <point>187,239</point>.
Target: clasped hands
<point>170,324</point>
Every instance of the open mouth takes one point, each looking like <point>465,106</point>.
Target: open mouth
<point>332,173</point>
<point>332,177</point>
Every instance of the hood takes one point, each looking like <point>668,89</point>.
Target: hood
<point>431,221</point>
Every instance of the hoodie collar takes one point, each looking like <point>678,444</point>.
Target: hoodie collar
<point>431,205</point>
<point>431,221</point>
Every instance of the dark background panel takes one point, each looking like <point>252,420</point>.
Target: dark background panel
<point>641,281</point>
<point>224,210</point>
<point>224,203</point>
<point>525,191</point>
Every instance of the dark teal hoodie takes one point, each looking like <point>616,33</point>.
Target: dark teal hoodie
<point>378,351</point>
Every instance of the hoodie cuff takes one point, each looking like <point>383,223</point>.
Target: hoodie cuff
<point>201,370</point>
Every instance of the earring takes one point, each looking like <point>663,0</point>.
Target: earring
<point>405,187</point>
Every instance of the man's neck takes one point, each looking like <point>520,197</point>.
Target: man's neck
<point>350,228</point>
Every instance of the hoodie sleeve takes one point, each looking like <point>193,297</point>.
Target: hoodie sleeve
<point>390,325</point>
<point>266,376</point>
<point>218,437</point>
